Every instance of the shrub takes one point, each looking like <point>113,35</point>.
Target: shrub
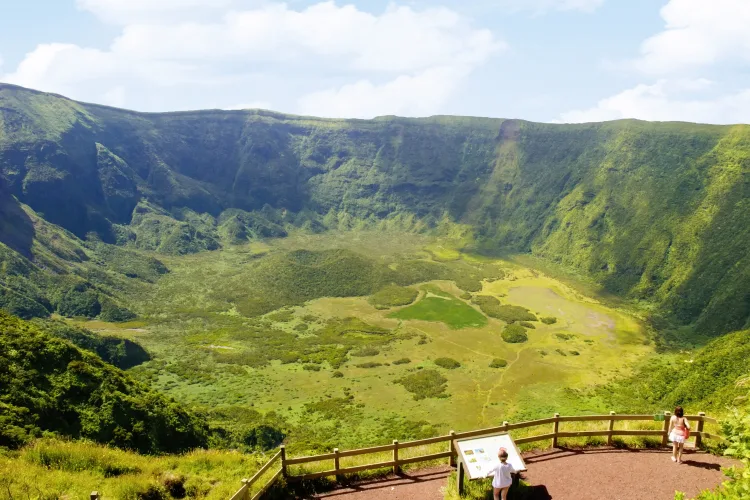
<point>447,363</point>
<point>560,352</point>
<point>113,313</point>
<point>498,363</point>
<point>575,353</point>
<point>393,296</point>
<point>565,336</point>
<point>514,334</point>
<point>468,284</point>
<point>370,364</point>
<point>510,314</point>
<point>311,368</point>
<point>365,352</point>
<point>549,320</point>
<point>526,324</point>
<point>337,374</point>
<point>425,384</point>
<point>283,316</point>
<point>301,327</point>
<point>466,296</point>
<point>402,361</point>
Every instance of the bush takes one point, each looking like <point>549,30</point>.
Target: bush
<point>425,384</point>
<point>113,313</point>
<point>468,284</point>
<point>79,302</point>
<point>311,368</point>
<point>526,324</point>
<point>365,352</point>
<point>575,353</point>
<point>402,361</point>
<point>565,336</point>
<point>560,352</point>
<point>549,320</point>
<point>301,327</point>
<point>514,334</point>
<point>337,374</point>
<point>510,314</point>
<point>447,363</point>
<point>498,363</point>
<point>371,364</point>
<point>393,296</point>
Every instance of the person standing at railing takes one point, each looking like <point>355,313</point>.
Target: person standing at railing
<point>679,431</point>
<point>502,480</point>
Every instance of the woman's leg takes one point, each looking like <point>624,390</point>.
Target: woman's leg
<point>505,493</point>
<point>679,452</point>
<point>496,493</point>
<point>674,451</point>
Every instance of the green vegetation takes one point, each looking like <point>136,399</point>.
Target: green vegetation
<point>393,296</point>
<point>447,363</point>
<point>510,314</point>
<point>425,384</point>
<point>402,361</point>
<point>527,324</point>
<point>565,336</point>
<point>498,363</point>
<point>514,334</point>
<point>365,351</point>
<point>41,375</point>
<point>549,320</point>
<point>369,364</point>
<point>122,353</point>
<point>449,310</point>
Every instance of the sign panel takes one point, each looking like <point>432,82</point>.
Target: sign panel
<point>479,455</point>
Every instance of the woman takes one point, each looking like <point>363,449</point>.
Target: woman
<point>679,429</point>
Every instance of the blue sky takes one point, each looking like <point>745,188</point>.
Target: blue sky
<point>543,60</point>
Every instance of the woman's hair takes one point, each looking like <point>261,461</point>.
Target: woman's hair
<point>679,412</point>
<point>503,455</point>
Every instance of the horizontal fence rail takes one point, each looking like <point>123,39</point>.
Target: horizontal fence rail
<point>396,462</point>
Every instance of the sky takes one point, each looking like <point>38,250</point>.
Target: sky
<point>540,60</point>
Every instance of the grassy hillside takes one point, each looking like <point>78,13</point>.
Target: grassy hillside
<point>47,384</point>
<point>655,212</point>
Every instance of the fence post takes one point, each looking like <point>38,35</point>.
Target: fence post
<point>336,465</point>
<point>247,490</point>
<point>460,482</point>
<point>284,472</point>
<point>505,424</point>
<point>611,428</point>
<point>396,468</point>
<point>94,495</point>
<point>699,430</point>
<point>452,458</point>
<point>665,437</point>
<point>555,429</point>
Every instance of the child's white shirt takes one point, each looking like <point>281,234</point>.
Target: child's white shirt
<point>502,475</point>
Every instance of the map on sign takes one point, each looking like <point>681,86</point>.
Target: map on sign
<point>479,455</point>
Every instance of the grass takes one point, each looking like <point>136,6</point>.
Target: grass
<point>260,364</point>
<point>52,468</point>
<point>449,310</point>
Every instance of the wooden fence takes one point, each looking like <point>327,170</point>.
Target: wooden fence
<point>396,462</point>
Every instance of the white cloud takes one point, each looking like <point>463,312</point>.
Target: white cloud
<point>418,95</point>
<point>669,100</point>
<point>129,11</point>
<point>249,105</point>
<point>323,43</point>
<point>540,6</point>
<point>697,33</point>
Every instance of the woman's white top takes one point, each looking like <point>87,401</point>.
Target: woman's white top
<point>501,473</point>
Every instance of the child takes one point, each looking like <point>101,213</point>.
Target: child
<point>679,429</point>
<point>502,480</point>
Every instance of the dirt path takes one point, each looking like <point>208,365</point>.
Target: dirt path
<point>570,475</point>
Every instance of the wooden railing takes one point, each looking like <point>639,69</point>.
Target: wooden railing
<point>396,461</point>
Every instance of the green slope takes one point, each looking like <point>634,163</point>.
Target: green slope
<point>48,384</point>
<point>652,211</point>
